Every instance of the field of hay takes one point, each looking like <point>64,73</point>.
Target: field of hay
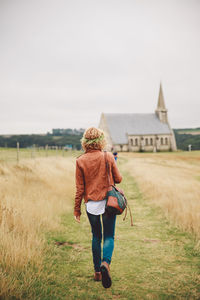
<point>14,155</point>
<point>37,192</point>
<point>171,181</point>
<point>33,195</point>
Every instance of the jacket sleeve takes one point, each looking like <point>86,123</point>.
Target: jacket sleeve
<point>80,188</point>
<point>115,172</point>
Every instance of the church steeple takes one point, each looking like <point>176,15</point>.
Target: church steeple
<point>161,102</point>
<point>161,110</point>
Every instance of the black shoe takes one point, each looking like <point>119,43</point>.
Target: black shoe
<point>105,272</point>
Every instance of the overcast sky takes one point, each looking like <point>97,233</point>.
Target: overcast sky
<point>63,62</point>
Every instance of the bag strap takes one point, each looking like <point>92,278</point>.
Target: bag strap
<point>107,168</point>
<point>108,173</point>
<point>131,217</point>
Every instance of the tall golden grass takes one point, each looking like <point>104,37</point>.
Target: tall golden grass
<point>33,195</point>
<point>171,181</point>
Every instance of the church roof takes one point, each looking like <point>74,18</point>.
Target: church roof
<point>120,125</point>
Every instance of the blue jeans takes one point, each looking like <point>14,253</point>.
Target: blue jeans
<point>108,238</point>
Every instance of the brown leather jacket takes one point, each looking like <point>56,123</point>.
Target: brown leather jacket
<point>92,178</point>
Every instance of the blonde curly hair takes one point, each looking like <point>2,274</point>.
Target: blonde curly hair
<point>93,139</point>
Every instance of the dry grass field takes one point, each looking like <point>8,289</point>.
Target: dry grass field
<point>11,155</point>
<point>33,195</point>
<point>36,194</point>
<point>171,181</point>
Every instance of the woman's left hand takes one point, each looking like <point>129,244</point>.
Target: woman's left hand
<point>77,218</point>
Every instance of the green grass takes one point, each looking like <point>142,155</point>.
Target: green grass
<point>152,260</point>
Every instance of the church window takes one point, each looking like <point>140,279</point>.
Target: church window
<point>166,141</point>
<point>161,140</point>
<point>146,142</point>
<point>136,142</point>
<point>131,142</point>
<point>151,141</point>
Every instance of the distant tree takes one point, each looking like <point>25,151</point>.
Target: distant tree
<point>42,140</point>
<point>183,140</point>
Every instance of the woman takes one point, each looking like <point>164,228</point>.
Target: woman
<point>92,184</point>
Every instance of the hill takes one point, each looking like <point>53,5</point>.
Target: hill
<point>187,136</point>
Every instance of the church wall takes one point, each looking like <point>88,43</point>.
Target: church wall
<point>173,142</point>
<point>125,148</point>
<point>149,143</point>
<point>155,143</point>
<point>119,148</point>
<point>146,143</point>
<point>134,149</point>
<point>103,126</point>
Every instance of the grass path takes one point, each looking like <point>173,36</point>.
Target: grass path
<point>152,260</point>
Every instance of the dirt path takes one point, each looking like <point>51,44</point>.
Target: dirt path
<point>152,260</point>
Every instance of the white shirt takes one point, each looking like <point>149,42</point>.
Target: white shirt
<point>96,207</point>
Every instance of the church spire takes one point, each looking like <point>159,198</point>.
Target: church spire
<point>161,110</point>
<point>161,102</point>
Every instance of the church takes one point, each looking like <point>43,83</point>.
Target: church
<point>139,132</point>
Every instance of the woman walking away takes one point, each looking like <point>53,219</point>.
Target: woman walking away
<point>92,184</point>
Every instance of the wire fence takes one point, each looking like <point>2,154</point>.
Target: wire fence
<point>17,154</point>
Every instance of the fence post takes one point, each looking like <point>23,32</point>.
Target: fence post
<point>17,152</point>
<point>33,152</point>
<point>46,147</point>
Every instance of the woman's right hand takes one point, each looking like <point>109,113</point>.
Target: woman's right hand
<point>77,219</point>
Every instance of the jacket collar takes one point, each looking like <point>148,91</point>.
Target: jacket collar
<point>92,150</point>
